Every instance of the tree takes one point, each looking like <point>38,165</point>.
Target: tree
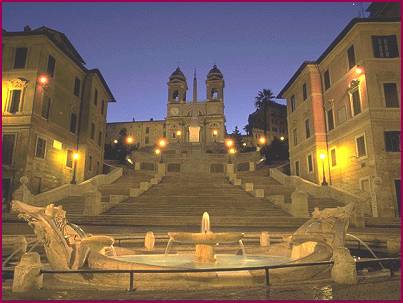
<point>258,119</point>
<point>277,150</point>
<point>237,137</point>
<point>262,100</point>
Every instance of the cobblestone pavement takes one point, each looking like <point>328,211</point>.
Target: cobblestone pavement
<point>385,289</point>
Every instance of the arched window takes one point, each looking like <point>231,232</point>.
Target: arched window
<point>175,95</point>
<point>214,93</point>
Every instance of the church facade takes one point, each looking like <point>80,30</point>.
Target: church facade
<point>195,122</point>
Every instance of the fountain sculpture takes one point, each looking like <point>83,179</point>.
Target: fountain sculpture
<point>68,247</point>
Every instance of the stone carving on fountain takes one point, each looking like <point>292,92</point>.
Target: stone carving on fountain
<point>66,245</point>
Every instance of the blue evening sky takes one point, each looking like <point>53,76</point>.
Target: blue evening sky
<point>138,45</point>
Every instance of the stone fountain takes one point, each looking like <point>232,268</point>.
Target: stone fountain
<point>205,241</point>
<point>68,247</point>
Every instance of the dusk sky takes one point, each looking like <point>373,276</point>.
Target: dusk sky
<point>138,45</point>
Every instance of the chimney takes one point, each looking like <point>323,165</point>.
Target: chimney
<point>27,28</point>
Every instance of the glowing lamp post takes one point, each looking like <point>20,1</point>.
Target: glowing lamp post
<point>178,135</point>
<point>129,140</point>
<point>231,152</point>
<point>115,141</point>
<point>282,138</point>
<point>215,134</point>
<point>76,156</point>
<point>359,70</point>
<point>162,143</point>
<point>322,157</point>
<point>43,81</point>
<point>229,143</point>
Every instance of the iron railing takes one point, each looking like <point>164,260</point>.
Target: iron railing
<point>266,269</point>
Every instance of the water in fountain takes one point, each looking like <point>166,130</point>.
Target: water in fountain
<point>170,241</point>
<point>242,248</point>
<point>366,246</point>
<point>205,224</point>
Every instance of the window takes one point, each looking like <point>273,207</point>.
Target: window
<point>330,120</point>
<point>341,115</point>
<point>20,57</point>
<point>45,107</point>
<point>304,92</point>
<point>147,140</point>
<point>99,138</point>
<point>14,105</point>
<point>40,148</point>
<point>102,107</point>
<point>356,102</point>
<point>92,131</point>
<point>8,148</point>
<point>77,86</point>
<point>51,66</point>
<point>351,57</point>
<point>385,46</point>
<point>73,123</point>
<point>174,135</point>
<point>392,141</point>
<point>327,79</point>
<point>297,168</point>
<point>307,128</point>
<point>292,103</point>
<point>333,160</point>
<point>310,163</point>
<point>96,97</point>
<point>390,92</point>
<point>90,163</point>
<point>147,130</point>
<point>361,146</point>
<point>69,158</point>
<point>294,135</point>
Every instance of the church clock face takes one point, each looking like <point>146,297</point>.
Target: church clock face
<point>174,111</point>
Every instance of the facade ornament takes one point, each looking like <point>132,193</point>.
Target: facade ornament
<point>19,83</point>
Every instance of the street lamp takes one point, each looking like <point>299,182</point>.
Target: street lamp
<point>178,135</point>
<point>282,138</point>
<point>115,141</point>
<point>129,140</point>
<point>75,159</point>
<point>229,143</point>
<point>215,134</point>
<point>262,140</point>
<point>162,143</point>
<point>322,157</point>
<point>231,152</point>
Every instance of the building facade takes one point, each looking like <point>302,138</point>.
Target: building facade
<point>344,114</point>
<point>52,108</point>
<point>276,123</point>
<point>196,122</point>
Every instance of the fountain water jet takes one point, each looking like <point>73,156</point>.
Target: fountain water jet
<point>366,246</point>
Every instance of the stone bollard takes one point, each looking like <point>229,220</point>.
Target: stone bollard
<point>258,193</point>
<point>230,170</point>
<point>161,169</point>
<point>248,187</point>
<point>27,276</point>
<point>135,192</point>
<point>264,239</point>
<point>299,204</point>
<point>343,270</point>
<point>149,241</point>
<point>252,166</point>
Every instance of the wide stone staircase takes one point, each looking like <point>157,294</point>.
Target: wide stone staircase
<point>261,180</point>
<point>180,200</point>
